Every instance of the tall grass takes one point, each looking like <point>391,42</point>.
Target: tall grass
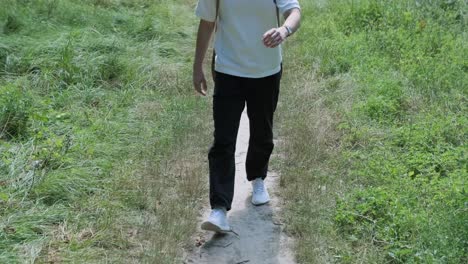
<point>374,122</point>
<point>99,161</point>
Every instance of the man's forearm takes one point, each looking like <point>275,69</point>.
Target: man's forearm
<point>205,30</point>
<point>293,19</point>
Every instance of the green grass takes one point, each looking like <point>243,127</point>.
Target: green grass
<point>98,156</point>
<point>101,136</point>
<point>374,123</point>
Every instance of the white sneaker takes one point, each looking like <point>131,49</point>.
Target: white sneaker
<point>259,192</point>
<point>217,221</point>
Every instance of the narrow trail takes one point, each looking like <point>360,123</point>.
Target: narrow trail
<point>261,239</point>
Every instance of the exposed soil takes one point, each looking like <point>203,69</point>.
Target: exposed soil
<point>260,236</point>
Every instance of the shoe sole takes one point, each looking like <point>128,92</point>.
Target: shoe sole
<point>258,204</point>
<point>208,226</point>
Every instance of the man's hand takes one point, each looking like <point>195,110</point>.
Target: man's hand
<point>275,36</point>
<point>199,81</point>
<point>205,29</point>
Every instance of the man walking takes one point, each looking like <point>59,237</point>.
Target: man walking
<point>248,67</point>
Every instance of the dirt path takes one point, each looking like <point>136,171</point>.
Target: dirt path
<point>261,239</point>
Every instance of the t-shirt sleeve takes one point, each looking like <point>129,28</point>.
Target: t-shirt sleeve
<point>206,10</point>
<point>285,5</point>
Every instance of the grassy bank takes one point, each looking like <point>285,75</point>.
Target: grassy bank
<point>373,117</point>
<point>96,159</point>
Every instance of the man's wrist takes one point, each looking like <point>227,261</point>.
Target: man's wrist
<point>289,30</point>
<point>283,31</point>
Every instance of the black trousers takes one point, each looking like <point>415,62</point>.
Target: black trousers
<point>231,94</point>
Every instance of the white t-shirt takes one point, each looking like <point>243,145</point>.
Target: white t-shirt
<point>238,41</point>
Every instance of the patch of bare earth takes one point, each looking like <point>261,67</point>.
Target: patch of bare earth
<point>260,236</point>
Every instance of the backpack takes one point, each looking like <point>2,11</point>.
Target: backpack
<point>213,72</point>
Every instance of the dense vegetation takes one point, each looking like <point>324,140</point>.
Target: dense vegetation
<point>95,103</point>
<point>375,118</point>
<point>100,134</point>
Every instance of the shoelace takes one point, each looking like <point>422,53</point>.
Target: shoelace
<point>258,187</point>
